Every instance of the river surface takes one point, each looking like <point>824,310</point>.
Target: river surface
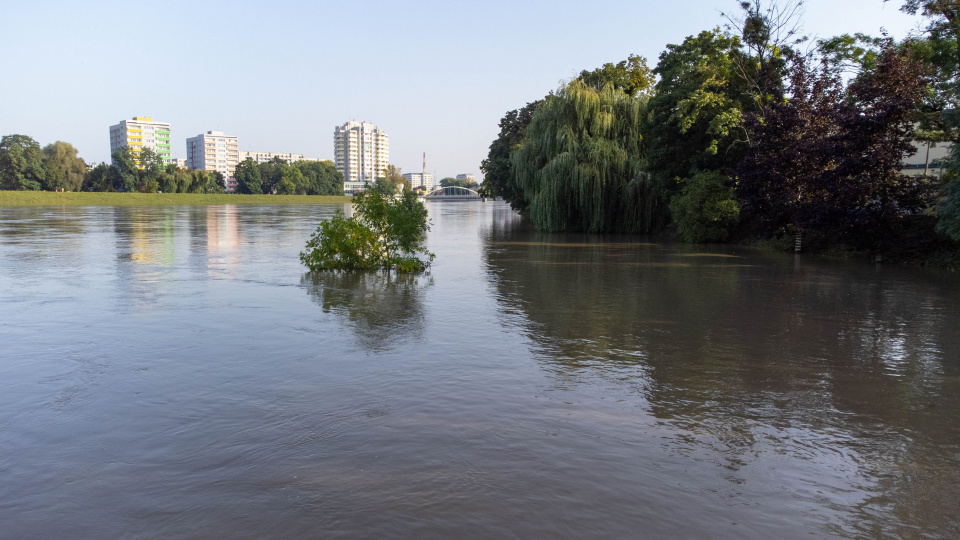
<point>172,372</point>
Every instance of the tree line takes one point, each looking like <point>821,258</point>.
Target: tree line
<point>24,165</point>
<point>57,166</point>
<point>279,177</point>
<point>747,130</point>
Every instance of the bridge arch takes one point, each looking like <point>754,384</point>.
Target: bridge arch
<point>452,192</point>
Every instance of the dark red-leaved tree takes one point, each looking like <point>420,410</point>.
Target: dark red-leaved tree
<point>829,159</point>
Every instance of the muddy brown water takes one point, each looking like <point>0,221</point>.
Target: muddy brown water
<point>173,372</point>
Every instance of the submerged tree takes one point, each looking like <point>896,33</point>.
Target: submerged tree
<point>384,233</point>
<point>580,165</point>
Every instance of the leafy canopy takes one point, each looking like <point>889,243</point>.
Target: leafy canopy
<point>384,233</point>
<point>21,163</point>
<point>632,75</point>
<point>580,165</point>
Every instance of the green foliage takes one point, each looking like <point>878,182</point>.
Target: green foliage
<point>248,177</point>
<point>939,49</point>
<point>580,165</point>
<point>392,182</point>
<point>706,209</point>
<point>64,170</point>
<point>949,210</point>
<point>498,177</point>
<point>126,175</point>
<point>632,75</point>
<point>21,163</point>
<point>453,182</point>
<point>99,178</point>
<point>319,178</point>
<point>383,233</point>
<point>850,53</point>
<point>277,176</point>
<point>696,114</point>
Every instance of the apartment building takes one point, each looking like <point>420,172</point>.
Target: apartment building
<point>467,177</point>
<point>213,151</point>
<point>424,180</point>
<point>139,133</point>
<point>263,157</point>
<point>361,154</point>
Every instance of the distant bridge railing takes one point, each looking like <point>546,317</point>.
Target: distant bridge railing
<point>452,193</point>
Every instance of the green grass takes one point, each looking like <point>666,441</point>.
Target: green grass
<point>49,198</point>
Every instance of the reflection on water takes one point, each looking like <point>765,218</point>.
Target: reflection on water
<point>762,368</point>
<point>383,309</point>
<point>171,372</point>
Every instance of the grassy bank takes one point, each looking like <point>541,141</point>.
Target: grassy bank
<point>48,198</point>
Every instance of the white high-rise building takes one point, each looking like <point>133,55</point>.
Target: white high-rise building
<point>139,133</point>
<point>467,177</point>
<point>361,153</point>
<point>416,180</point>
<point>213,151</point>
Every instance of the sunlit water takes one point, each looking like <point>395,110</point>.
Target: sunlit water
<point>173,372</point>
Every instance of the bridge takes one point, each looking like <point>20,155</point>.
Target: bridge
<point>452,193</point>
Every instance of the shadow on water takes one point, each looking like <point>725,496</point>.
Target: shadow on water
<point>382,309</point>
<point>829,374</point>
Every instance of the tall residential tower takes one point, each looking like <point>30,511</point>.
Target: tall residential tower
<point>213,151</point>
<point>362,152</point>
<point>139,133</point>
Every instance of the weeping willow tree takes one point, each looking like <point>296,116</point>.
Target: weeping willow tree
<point>580,163</point>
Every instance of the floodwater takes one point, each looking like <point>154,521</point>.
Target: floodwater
<point>172,372</point>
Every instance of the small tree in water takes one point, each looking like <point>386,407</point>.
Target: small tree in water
<point>383,233</point>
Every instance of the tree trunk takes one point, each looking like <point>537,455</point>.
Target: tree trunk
<point>796,243</point>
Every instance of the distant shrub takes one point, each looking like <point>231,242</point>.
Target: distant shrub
<point>384,233</point>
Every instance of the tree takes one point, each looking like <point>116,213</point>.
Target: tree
<point>949,210</point>
<point>384,233</point>
<point>706,209</point>
<point>498,179</point>
<point>99,178</point>
<point>64,170</point>
<point>126,175</point>
<point>696,114</point>
<point>632,75</point>
<point>826,159</point>
<point>768,31</point>
<point>272,172</point>
<point>392,182</point>
<point>291,181</point>
<point>150,165</point>
<point>21,163</point>
<point>320,178</point>
<point>580,165</point>
<point>941,52</point>
<point>248,177</point>
<point>446,182</point>
<point>850,53</point>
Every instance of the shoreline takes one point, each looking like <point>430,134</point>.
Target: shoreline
<point>80,198</point>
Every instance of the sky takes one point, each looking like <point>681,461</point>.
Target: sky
<point>437,76</point>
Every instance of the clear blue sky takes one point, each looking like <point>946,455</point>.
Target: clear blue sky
<point>435,75</point>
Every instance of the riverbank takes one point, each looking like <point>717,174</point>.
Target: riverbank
<point>48,198</point>
<point>912,241</point>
